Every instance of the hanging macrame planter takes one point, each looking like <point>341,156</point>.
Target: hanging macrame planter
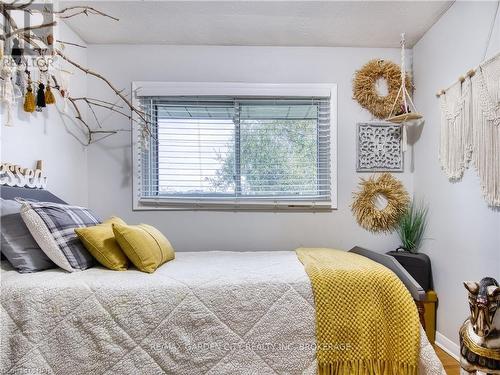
<point>407,110</point>
<point>365,208</point>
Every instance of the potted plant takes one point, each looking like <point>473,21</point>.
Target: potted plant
<point>411,230</point>
<point>412,226</point>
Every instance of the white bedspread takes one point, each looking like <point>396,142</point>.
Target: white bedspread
<point>203,313</point>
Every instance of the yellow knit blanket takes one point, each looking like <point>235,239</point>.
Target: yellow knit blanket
<point>366,320</point>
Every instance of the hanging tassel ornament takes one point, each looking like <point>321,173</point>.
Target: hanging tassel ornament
<point>29,99</point>
<point>17,52</point>
<point>7,97</point>
<point>49,96</point>
<point>40,97</point>
<point>64,79</point>
<point>20,82</point>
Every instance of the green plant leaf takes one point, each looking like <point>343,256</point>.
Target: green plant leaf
<point>412,226</point>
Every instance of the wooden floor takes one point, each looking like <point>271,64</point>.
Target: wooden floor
<point>450,364</point>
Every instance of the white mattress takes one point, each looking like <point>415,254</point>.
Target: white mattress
<point>203,313</point>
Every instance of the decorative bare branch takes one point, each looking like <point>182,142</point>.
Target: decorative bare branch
<point>77,10</point>
<point>119,93</point>
<point>93,102</point>
<point>90,131</point>
<point>13,5</point>
<point>62,14</point>
<point>71,43</point>
<point>136,115</point>
<point>27,30</point>
<point>79,117</point>
<point>11,25</point>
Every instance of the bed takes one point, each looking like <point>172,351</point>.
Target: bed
<point>203,313</point>
<point>206,313</point>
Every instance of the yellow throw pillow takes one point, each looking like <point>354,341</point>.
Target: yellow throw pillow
<point>145,246</point>
<point>100,241</point>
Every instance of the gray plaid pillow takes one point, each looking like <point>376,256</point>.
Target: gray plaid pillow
<point>53,227</point>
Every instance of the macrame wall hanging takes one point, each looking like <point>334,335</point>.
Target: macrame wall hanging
<point>470,126</point>
<point>455,147</point>
<point>486,128</point>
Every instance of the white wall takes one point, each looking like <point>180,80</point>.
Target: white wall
<point>465,233</point>
<point>110,160</point>
<point>52,137</point>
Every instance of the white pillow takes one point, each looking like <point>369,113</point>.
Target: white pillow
<point>53,226</point>
<point>44,238</point>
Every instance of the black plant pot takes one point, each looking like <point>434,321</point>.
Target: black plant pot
<point>418,266</point>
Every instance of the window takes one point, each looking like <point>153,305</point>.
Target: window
<point>235,152</point>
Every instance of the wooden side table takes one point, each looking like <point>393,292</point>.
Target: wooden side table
<point>427,314</point>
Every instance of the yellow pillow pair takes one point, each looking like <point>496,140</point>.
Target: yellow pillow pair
<point>113,241</point>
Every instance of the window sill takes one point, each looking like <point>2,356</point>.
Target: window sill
<point>244,206</point>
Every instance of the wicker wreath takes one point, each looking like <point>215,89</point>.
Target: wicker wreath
<point>364,209</point>
<point>365,91</point>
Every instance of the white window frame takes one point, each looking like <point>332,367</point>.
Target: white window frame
<point>149,88</point>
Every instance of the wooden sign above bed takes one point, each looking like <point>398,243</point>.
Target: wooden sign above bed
<point>15,175</point>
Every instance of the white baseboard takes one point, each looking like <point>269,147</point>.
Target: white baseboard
<point>448,346</point>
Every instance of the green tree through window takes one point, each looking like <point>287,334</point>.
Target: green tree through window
<point>277,157</point>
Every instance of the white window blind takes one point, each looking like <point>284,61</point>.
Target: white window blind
<point>236,153</point>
